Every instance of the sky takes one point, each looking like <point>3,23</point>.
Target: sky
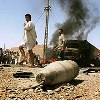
<point>12,14</point>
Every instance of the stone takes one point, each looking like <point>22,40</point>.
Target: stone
<point>12,96</point>
<point>30,90</point>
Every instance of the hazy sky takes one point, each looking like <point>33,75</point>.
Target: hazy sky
<point>12,18</point>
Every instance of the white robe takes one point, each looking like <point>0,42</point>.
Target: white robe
<point>29,34</point>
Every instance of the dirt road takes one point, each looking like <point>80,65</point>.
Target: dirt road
<point>84,87</point>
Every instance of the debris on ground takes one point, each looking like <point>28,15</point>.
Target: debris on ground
<point>83,87</point>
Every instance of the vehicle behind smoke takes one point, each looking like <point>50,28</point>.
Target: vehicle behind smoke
<point>81,51</point>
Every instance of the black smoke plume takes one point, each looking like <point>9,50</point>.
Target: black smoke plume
<point>80,20</point>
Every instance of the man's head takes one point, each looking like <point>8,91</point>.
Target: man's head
<point>28,17</point>
<point>60,31</point>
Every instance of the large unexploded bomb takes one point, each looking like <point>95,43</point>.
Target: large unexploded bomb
<point>58,72</point>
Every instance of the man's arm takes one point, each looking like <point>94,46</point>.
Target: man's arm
<point>28,26</point>
<point>63,45</point>
<point>55,48</point>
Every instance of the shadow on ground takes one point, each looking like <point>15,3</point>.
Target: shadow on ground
<point>74,82</point>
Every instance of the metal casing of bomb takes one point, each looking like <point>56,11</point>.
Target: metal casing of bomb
<point>58,72</point>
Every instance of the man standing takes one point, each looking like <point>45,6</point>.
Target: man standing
<point>29,40</point>
<point>60,46</point>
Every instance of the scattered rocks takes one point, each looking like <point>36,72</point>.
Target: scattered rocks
<point>13,88</point>
<point>12,96</point>
<point>58,90</point>
<point>30,90</point>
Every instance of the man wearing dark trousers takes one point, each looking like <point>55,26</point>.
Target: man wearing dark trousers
<point>60,46</point>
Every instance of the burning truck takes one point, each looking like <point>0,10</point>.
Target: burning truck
<point>80,21</point>
<point>82,52</point>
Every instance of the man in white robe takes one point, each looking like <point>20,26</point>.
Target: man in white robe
<point>29,40</point>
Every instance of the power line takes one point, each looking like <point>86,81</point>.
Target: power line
<point>39,17</point>
<point>53,18</point>
<point>54,12</point>
<point>56,15</point>
<point>41,26</point>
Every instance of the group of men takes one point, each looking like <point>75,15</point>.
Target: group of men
<point>8,57</point>
<point>30,41</point>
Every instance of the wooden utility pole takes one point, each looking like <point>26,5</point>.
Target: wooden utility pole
<point>47,8</point>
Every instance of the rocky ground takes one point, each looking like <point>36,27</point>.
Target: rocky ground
<point>84,87</point>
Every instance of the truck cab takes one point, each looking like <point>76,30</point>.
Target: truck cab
<point>82,52</point>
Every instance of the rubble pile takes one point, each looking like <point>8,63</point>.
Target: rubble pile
<point>84,87</point>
